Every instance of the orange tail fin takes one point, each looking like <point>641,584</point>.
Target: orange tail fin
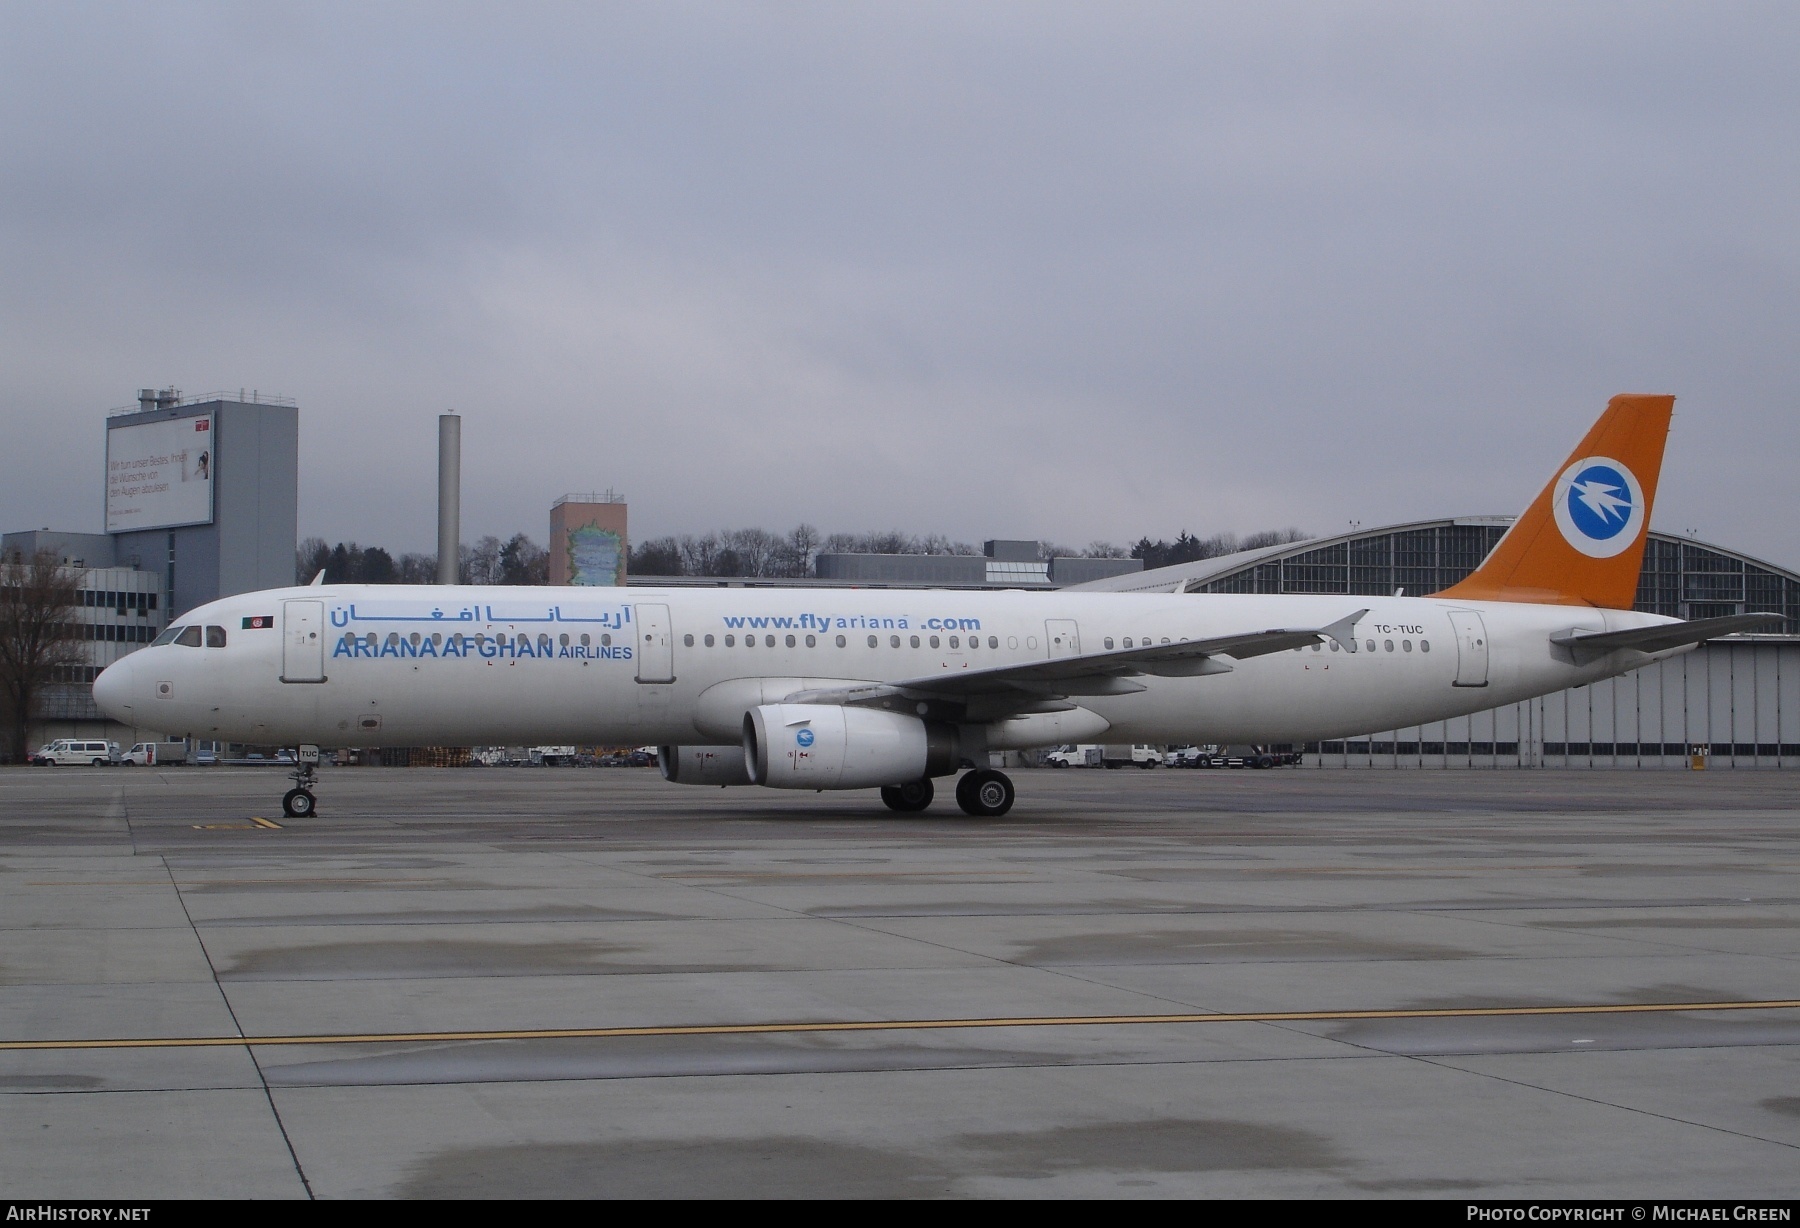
<point>1581,542</point>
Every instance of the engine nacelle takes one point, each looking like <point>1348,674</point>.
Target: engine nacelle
<point>824,746</point>
<point>702,765</point>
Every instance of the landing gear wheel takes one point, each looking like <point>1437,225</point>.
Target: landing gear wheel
<point>297,804</point>
<point>985,794</point>
<point>909,798</point>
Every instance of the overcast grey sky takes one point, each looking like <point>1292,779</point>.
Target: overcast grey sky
<point>1032,270</point>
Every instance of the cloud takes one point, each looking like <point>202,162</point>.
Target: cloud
<point>983,270</point>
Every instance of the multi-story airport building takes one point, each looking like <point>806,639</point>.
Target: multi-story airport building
<point>200,501</point>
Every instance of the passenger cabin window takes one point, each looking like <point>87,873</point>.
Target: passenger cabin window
<point>768,641</point>
<point>812,641</point>
<point>934,641</point>
<point>167,636</point>
<point>894,641</point>
<point>873,641</point>
<point>1109,643</point>
<point>953,642</point>
<point>842,641</point>
<point>1128,641</point>
<point>709,641</point>
<point>731,641</point>
<point>790,641</point>
<point>687,641</point>
<point>189,637</point>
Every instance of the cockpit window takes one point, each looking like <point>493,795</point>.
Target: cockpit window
<point>215,637</point>
<point>166,637</point>
<point>189,637</point>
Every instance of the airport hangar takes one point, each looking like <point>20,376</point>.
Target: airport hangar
<point>1734,701</point>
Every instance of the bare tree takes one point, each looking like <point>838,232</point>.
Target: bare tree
<point>1271,537</point>
<point>417,569</point>
<point>660,556</point>
<point>480,563</point>
<point>1097,549</point>
<point>38,644</point>
<point>756,550</point>
<point>523,561</point>
<point>310,559</point>
<point>699,555</point>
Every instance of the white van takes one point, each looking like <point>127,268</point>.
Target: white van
<point>151,754</point>
<point>70,752</point>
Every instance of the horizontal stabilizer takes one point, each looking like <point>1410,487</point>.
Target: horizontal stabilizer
<point>1664,635</point>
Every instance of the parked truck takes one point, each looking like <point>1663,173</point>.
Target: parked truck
<point>1118,755</point>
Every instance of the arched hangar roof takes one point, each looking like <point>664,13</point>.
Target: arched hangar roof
<point>1682,578</point>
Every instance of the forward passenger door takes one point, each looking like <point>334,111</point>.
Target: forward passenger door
<point>655,649</point>
<point>303,641</point>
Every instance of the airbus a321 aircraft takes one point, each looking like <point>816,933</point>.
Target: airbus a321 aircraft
<point>890,689</point>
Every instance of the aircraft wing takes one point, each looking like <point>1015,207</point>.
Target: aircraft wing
<point>1044,686</point>
<point>1595,644</point>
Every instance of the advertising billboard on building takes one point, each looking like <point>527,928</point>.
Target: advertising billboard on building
<point>588,543</point>
<point>159,474</point>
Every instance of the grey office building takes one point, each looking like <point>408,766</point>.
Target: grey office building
<point>245,539</point>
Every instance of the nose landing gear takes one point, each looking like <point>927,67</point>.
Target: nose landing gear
<point>985,793</point>
<point>298,802</point>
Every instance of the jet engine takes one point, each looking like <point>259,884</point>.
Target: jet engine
<point>824,746</point>
<point>702,765</point>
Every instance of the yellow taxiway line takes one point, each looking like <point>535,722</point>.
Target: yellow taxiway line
<point>903,1025</point>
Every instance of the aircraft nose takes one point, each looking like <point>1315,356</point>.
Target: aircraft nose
<point>113,690</point>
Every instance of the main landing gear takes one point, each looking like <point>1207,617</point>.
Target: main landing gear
<point>985,794</point>
<point>298,802</point>
<point>909,798</point>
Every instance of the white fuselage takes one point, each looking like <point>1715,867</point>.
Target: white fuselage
<point>460,666</point>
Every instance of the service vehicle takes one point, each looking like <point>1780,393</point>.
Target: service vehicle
<point>1124,754</point>
<point>1073,756</point>
<point>154,754</point>
<point>77,752</point>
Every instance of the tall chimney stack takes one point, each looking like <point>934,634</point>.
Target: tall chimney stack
<point>449,497</point>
